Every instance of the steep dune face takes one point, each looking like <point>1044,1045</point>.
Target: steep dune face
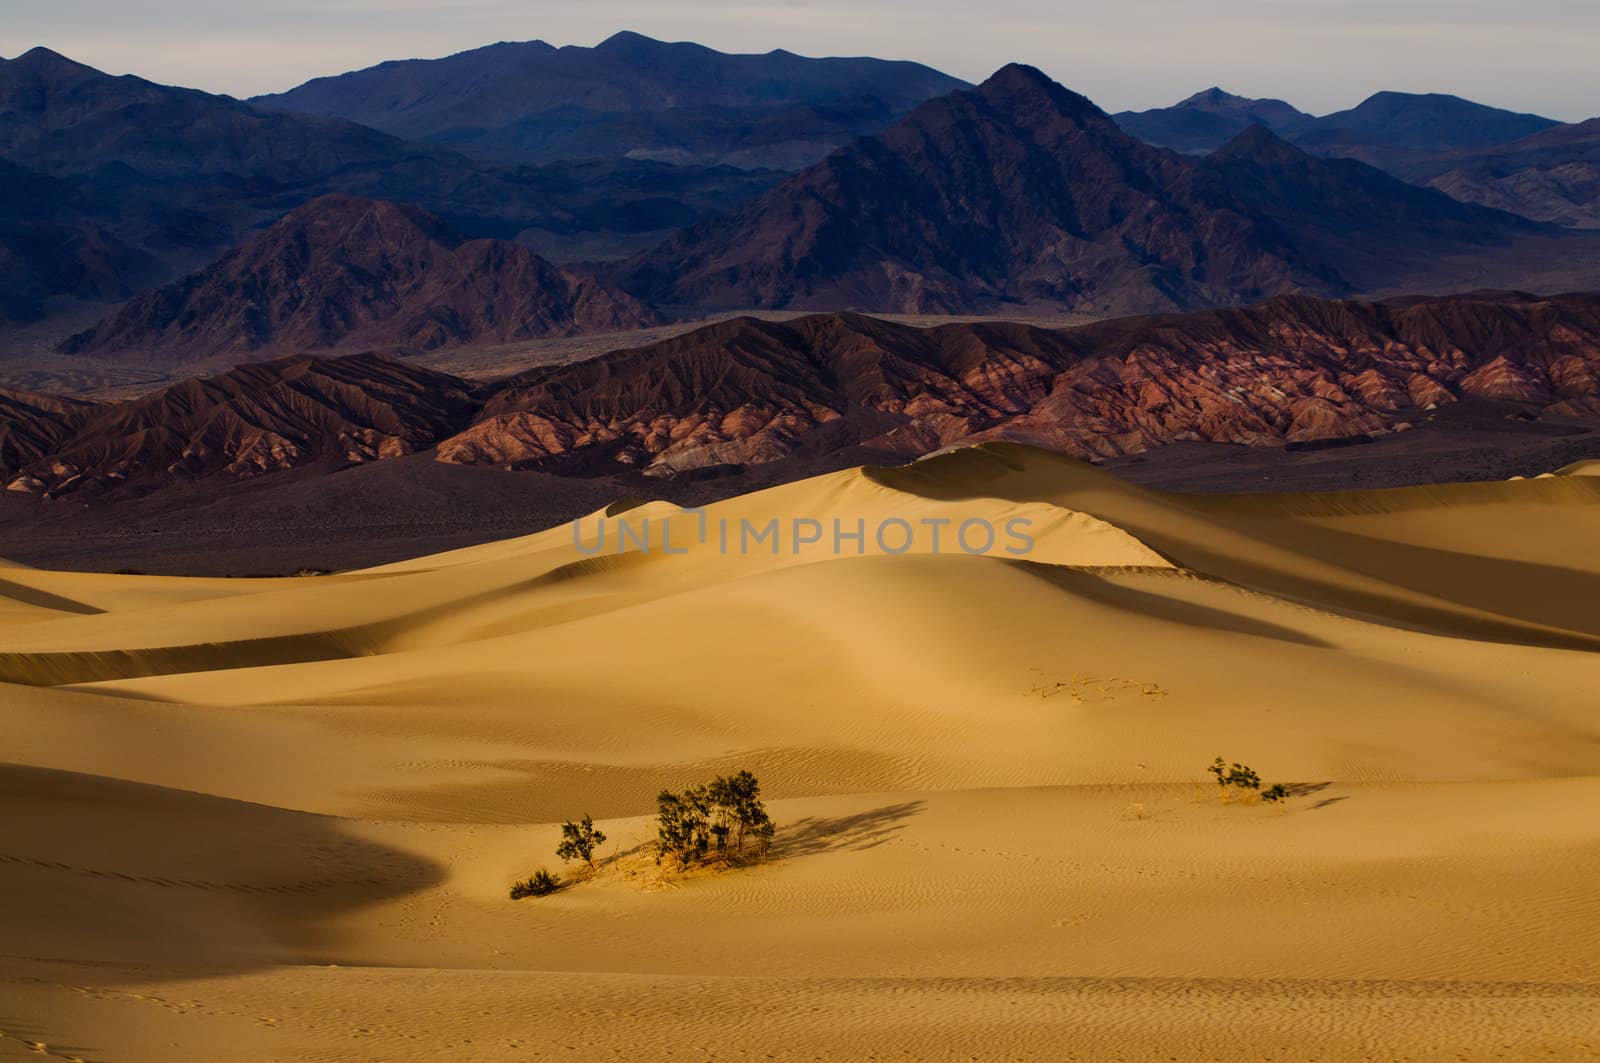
<point>982,762</point>
<point>1054,530</point>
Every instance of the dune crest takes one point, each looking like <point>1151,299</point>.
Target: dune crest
<point>986,766</point>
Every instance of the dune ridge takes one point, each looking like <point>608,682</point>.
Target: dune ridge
<point>995,832</point>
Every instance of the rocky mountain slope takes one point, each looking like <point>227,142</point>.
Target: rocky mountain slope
<point>746,392</point>
<point>34,425</point>
<point>115,183</point>
<point>347,272</point>
<point>1291,370</point>
<point>1521,163</point>
<point>1023,193</point>
<point>254,419</point>
<point>627,96</point>
<point>1553,176</point>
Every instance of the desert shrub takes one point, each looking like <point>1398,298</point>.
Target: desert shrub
<point>1238,775</point>
<point>1245,778</point>
<point>580,840</point>
<point>540,884</point>
<point>713,821</point>
<point>683,825</point>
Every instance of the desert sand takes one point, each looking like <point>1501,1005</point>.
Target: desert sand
<point>277,819</point>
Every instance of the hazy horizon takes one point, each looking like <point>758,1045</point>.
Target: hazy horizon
<point>1131,56</point>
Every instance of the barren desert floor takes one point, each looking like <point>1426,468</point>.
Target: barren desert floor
<point>277,819</point>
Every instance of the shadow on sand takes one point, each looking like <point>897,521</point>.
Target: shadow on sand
<point>1308,789</point>
<point>863,830</point>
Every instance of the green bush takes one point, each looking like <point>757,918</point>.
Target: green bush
<point>1238,775</point>
<point>1245,778</point>
<point>580,840</point>
<point>540,884</point>
<point>713,821</point>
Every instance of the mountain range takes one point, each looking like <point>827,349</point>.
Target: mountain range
<point>1021,193</point>
<point>1523,163</point>
<point>1293,370</point>
<point>1386,130</point>
<point>629,96</point>
<point>116,182</point>
<point>212,216</point>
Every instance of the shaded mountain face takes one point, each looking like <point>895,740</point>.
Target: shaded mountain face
<point>1393,129</point>
<point>752,392</point>
<point>628,96</point>
<point>342,271</point>
<point>63,118</point>
<point>1022,193</point>
<point>1358,228</point>
<point>1520,163</point>
<point>1552,176</point>
<point>259,418</point>
<point>52,244</point>
<point>115,183</point>
<point>1207,120</point>
<point>33,425</point>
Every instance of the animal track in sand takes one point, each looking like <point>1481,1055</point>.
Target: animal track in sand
<point>41,1048</point>
<point>1084,689</point>
<point>306,886</point>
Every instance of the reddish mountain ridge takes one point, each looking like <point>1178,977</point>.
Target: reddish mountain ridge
<point>257,418</point>
<point>1289,370</point>
<point>356,273</point>
<point>34,425</point>
<point>746,392</point>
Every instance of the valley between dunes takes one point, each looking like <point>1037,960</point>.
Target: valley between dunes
<point>276,819</point>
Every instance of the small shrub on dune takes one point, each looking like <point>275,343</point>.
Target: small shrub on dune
<point>540,884</point>
<point>580,840</point>
<point>713,823</point>
<point>1238,775</point>
<point>1242,777</point>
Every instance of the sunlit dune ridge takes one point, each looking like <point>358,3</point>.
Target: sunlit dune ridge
<point>987,767</point>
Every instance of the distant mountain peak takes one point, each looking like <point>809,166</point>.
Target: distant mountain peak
<point>1257,143</point>
<point>42,61</point>
<point>1017,83</point>
<point>1017,77</point>
<point>1213,98</point>
<point>627,37</point>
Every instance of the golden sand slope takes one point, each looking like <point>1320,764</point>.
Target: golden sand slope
<point>276,819</point>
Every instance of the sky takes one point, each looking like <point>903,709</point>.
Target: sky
<point>1536,55</point>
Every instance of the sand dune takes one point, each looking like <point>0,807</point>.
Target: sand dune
<point>269,819</point>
